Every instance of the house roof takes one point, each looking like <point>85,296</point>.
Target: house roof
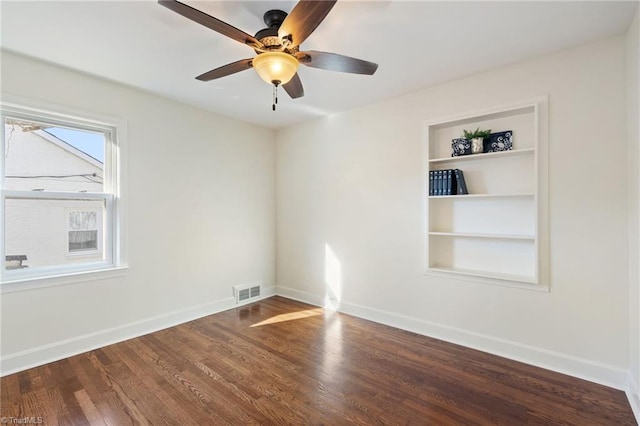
<point>68,147</point>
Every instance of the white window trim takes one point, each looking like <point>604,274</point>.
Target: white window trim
<point>114,195</point>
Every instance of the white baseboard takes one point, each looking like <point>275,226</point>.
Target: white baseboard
<point>300,296</point>
<point>45,354</point>
<point>555,361</point>
<point>633,395</point>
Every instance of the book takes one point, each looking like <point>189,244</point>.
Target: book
<point>431,182</point>
<point>448,179</point>
<point>454,183</point>
<point>460,182</point>
<point>443,182</point>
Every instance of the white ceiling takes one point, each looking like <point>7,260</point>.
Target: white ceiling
<point>416,44</point>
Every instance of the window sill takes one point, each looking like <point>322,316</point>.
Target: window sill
<point>31,283</point>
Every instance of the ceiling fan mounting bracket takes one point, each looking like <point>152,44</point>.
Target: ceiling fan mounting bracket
<point>273,18</point>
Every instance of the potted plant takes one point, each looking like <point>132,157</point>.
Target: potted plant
<point>476,137</point>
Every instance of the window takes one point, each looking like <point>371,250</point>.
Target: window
<point>83,231</point>
<point>60,195</point>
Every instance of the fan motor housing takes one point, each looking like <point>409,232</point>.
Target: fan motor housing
<point>267,33</point>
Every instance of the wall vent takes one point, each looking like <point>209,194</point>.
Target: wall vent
<point>247,292</point>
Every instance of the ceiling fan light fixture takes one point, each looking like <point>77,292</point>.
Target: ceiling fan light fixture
<point>275,67</point>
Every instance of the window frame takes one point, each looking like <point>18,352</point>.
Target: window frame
<point>112,194</point>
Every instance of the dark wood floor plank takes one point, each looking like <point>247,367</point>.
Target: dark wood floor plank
<point>41,396</point>
<point>88,368</point>
<point>437,382</point>
<point>281,362</point>
<point>88,408</point>
<point>170,381</point>
<point>224,403</point>
<point>10,395</point>
<point>144,374</point>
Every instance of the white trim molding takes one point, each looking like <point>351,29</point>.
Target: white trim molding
<point>581,368</point>
<point>300,296</point>
<point>633,395</point>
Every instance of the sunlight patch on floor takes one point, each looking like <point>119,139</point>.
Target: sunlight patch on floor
<point>290,317</point>
<point>332,358</point>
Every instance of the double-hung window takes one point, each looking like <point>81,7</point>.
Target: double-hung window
<point>60,195</point>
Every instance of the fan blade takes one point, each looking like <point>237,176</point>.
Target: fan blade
<point>303,19</point>
<point>335,62</point>
<point>210,22</point>
<point>294,87</point>
<point>225,70</point>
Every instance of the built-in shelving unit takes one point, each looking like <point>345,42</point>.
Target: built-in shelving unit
<point>498,233</point>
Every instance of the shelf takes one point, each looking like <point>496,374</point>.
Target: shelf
<point>472,157</point>
<point>498,234</point>
<point>485,274</point>
<point>519,195</point>
<point>488,236</point>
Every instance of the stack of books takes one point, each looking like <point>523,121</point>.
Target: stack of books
<point>447,182</point>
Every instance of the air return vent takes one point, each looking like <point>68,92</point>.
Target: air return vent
<point>247,292</point>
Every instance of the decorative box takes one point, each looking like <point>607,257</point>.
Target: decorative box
<point>499,141</point>
<point>460,146</point>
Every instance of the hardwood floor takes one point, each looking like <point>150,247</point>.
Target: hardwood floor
<point>283,362</point>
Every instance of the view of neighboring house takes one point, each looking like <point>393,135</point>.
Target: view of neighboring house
<point>41,231</point>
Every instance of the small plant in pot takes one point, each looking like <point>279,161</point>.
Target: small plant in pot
<point>476,137</point>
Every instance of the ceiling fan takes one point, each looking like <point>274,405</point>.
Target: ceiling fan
<point>277,47</point>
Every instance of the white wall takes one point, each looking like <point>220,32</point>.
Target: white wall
<point>633,154</point>
<point>200,218</point>
<point>350,193</point>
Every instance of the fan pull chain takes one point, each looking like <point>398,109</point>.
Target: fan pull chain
<point>275,97</point>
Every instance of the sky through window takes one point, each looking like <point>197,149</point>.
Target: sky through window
<point>88,142</point>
